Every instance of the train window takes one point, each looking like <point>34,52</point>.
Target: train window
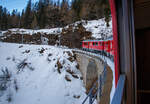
<point>93,43</point>
<point>90,43</point>
<point>102,43</point>
<point>110,45</point>
<point>85,43</point>
<point>105,44</point>
<point>96,43</point>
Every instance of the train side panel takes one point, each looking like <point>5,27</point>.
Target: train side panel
<point>99,46</point>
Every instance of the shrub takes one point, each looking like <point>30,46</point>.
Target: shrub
<point>4,79</point>
<point>24,64</point>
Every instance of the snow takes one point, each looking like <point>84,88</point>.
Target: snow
<point>43,84</point>
<point>97,27</point>
<point>31,32</point>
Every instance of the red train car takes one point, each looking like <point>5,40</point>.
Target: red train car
<point>99,46</point>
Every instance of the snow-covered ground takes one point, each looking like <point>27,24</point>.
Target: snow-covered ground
<point>39,82</point>
<point>97,27</point>
<point>35,78</point>
<point>30,31</point>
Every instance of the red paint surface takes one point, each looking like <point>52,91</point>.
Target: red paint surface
<point>107,46</point>
<point>115,38</point>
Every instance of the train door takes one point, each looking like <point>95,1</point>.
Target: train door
<point>109,44</point>
<point>143,64</point>
<point>142,34</point>
<point>111,48</point>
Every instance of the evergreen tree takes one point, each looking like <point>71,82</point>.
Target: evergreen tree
<point>34,23</point>
<point>48,13</point>
<point>4,22</point>
<point>1,11</point>
<point>76,7</point>
<point>28,16</point>
<point>106,8</point>
<point>64,12</point>
<point>14,19</point>
<point>41,14</point>
<point>22,19</point>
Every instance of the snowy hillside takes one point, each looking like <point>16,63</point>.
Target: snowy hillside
<point>40,74</point>
<point>97,27</point>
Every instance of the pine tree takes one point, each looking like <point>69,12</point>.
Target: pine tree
<point>76,7</point>
<point>4,22</point>
<point>28,15</point>
<point>1,11</point>
<point>106,8</point>
<point>22,19</point>
<point>34,23</point>
<point>64,12</point>
<point>41,14</point>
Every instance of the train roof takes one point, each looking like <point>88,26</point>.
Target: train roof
<point>98,40</point>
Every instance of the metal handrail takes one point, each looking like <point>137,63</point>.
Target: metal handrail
<point>118,96</point>
<point>92,96</point>
<point>90,92</point>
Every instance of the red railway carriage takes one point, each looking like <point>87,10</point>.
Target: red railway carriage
<point>105,46</point>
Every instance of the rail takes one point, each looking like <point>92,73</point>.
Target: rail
<point>118,96</point>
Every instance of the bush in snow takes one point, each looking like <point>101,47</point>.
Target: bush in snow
<point>5,83</point>
<point>24,64</point>
<point>4,79</point>
<point>42,51</point>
